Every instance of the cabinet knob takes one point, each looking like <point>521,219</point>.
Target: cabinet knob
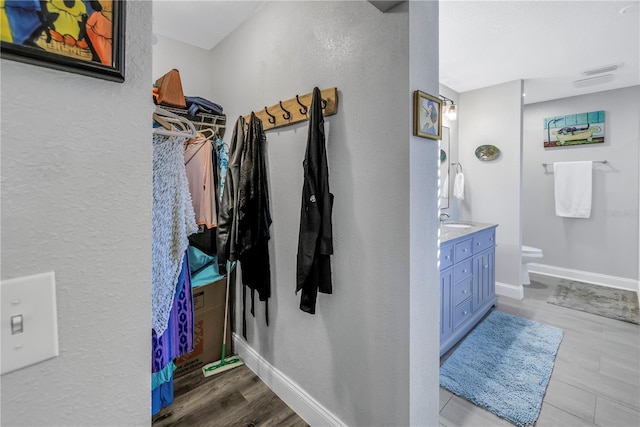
<point>464,270</point>
<point>464,250</point>
<point>464,292</point>
<point>446,257</point>
<point>478,244</point>
<point>486,266</point>
<point>465,312</point>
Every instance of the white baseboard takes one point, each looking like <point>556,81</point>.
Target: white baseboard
<point>586,276</point>
<point>299,400</point>
<point>510,291</point>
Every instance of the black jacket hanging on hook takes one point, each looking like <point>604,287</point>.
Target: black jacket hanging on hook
<point>226,232</point>
<point>315,242</point>
<point>254,218</point>
<point>244,220</point>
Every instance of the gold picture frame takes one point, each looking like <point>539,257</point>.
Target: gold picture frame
<point>427,115</point>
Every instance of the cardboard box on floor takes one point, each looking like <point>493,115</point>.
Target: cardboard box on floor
<point>208,326</point>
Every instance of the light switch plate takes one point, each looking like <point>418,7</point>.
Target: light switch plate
<point>33,298</point>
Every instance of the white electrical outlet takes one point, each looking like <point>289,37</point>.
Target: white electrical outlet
<point>29,321</point>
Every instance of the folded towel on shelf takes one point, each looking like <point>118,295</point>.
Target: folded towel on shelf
<point>458,186</point>
<point>573,188</point>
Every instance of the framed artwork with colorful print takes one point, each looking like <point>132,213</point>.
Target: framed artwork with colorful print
<point>574,129</point>
<point>427,113</point>
<point>78,36</point>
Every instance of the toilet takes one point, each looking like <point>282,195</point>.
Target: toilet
<point>529,254</point>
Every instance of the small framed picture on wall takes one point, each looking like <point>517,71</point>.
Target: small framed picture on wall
<point>427,115</point>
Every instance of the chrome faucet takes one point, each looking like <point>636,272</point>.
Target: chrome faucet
<point>443,215</point>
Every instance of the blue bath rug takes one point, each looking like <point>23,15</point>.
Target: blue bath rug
<point>504,366</point>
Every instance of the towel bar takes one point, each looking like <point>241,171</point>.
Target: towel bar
<point>595,161</point>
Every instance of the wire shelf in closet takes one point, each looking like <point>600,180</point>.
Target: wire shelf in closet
<point>203,120</point>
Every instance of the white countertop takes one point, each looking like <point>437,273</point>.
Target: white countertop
<point>451,233</point>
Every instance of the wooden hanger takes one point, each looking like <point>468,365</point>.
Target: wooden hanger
<point>165,124</point>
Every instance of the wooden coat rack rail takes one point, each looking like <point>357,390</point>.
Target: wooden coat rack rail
<point>295,110</point>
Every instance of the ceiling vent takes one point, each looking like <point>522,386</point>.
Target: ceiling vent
<point>602,69</point>
<point>626,9</point>
<point>593,80</point>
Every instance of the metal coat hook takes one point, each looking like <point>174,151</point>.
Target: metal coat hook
<point>286,116</point>
<point>304,108</point>
<point>272,118</point>
<point>297,109</point>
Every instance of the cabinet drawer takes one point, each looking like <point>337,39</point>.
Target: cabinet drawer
<point>484,240</point>
<point>446,256</point>
<point>463,249</point>
<point>461,313</point>
<point>462,290</point>
<point>462,270</point>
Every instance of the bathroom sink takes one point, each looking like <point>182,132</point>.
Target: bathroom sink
<point>456,225</point>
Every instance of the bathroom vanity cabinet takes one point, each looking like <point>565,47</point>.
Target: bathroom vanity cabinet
<point>467,278</point>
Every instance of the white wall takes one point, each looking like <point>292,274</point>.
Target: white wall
<point>76,199</point>
<point>452,210</point>
<point>424,306</point>
<point>606,243</point>
<point>493,115</point>
<point>333,354</point>
<point>352,356</point>
<point>193,63</point>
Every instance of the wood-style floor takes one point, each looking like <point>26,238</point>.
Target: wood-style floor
<point>595,380</point>
<point>596,377</point>
<point>232,398</point>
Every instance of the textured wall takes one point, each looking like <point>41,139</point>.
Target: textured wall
<point>352,356</point>
<point>493,115</point>
<point>196,73</point>
<point>424,304</point>
<point>605,243</point>
<point>76,199</point>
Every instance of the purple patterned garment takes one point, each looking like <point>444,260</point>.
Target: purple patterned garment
<point>177,340</point>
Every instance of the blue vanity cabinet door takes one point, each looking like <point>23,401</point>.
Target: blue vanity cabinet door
<point>483,278</point>
<point>488,275</point>
<point>467,284</point>
<point>446,314</point>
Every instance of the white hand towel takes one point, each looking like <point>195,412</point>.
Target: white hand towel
<point>444,191</point>
<point>573,188</point>
<point>458,186</point>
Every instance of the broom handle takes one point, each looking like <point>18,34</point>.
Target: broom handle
<point>226,307</point>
